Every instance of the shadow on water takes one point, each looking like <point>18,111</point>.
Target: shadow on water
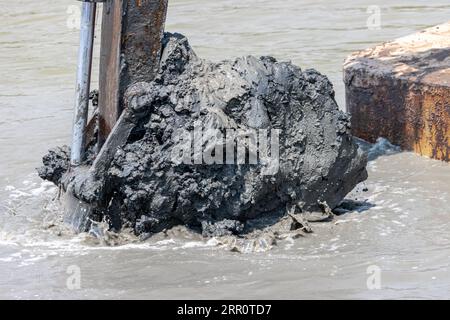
<point>348,205</point>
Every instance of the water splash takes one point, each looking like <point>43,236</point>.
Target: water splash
<point>380,148</point>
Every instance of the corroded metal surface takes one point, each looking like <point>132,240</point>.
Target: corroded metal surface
<point>132,31</point>
<point>143,28</point>
<point>401,91</point>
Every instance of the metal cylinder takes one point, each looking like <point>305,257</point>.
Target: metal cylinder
<point>83,81</point>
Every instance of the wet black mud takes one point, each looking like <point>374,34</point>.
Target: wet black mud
<point>273,144</point>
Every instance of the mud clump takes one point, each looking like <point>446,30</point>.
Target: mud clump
<point>223,148</point>
<point>56,164</point>
<point>222,228</point>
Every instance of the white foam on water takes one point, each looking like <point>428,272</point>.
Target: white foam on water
<point>17,194</point>
<point>9,259</point>
<point>199,244</point>
<point>289,243</point>
<point>166,242</point>
<point>45,242</point>
<point>398,223</point>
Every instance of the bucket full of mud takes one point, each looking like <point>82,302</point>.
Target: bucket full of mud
<point>223,148</point>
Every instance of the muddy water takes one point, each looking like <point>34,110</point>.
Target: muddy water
<point>403,231</point>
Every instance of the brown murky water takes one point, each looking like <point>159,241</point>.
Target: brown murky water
<point>404,231</point>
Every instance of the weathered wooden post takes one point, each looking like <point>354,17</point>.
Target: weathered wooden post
<point>132,31</point>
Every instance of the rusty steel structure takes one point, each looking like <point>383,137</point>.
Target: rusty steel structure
<point>132,32</point>
<point>400,90</point>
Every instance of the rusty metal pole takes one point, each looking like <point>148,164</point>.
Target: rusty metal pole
<point>83,80</point>
<point>132,32</point>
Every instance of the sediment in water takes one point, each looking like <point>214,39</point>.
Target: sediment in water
<point>291,146</point>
